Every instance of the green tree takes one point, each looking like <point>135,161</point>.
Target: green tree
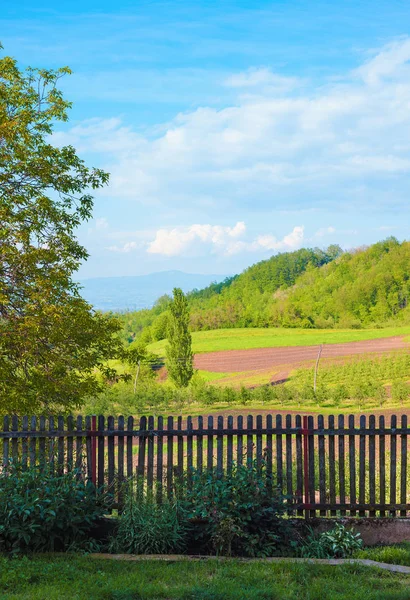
<point>179,349</point>
<point>53,346</point>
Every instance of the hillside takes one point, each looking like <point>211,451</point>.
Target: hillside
<point>309,288</point>
<point>239,301</point>
<point>362,288</point>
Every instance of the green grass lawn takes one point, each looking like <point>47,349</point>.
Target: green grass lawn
<point>246,338</point>
<point>398,554</point>
<point>70,577</point>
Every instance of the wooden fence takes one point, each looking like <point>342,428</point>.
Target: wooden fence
<point>328,467</point>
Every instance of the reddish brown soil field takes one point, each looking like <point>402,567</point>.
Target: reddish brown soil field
<point>290,356</point>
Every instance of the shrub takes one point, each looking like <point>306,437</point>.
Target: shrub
<point>339,542</point>
<point>148,527</point>
<point>237,514</point>
<point>41,511</point>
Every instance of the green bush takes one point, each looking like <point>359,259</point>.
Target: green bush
<point>339,542</point>
<point>148,527</point>
<point>237,514</point>
<point>41,511</point>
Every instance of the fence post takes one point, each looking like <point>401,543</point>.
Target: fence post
<point>94,450</point>
<point>305,466</point>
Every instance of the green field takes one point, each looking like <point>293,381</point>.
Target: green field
<point>247,338</point>
<point>68,577</point>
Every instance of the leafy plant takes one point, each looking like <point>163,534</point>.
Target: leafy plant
<point>339,542</point>
<point>41,511</point>
<point>148,527</point>
<point>236,514</point>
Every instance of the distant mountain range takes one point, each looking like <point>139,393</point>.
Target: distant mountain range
<point>140,291</point>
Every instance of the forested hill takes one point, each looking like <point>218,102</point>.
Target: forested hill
<point>368,286</point>
<point>245,300</point>
<point>237,301</point>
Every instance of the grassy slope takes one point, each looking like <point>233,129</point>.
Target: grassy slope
<point>69,576</point>
<point>242,339</point>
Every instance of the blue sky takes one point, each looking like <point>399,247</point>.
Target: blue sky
<point>232,130</point>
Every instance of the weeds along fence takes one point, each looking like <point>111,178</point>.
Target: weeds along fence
<point>338,466</point>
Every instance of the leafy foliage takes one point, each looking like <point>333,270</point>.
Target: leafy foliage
<point>179,350</point>
<point>339,542</point>
<point>236,514</point>
<point>41,511</point>
<point>51,342</point>
<point>147,527</point>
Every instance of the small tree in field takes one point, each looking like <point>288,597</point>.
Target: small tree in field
<point>179,350</point>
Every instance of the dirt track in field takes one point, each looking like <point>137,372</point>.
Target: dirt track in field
<point>289,357</point>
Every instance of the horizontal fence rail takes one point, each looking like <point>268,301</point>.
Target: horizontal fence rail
<point>336,466</point>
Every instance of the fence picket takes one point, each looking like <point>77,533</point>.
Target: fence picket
<point>249,442</point>
<point>362,465</point>
<point>101,452</point>
<point>141,453</point>
<point>393,463</point>
<point>403,466</point>
<point>322,465</point>
<point>332,464</point>
<point>79,446</point>
<point>382,465</point>
<point>342,466</point>
<point>111,456</point>
<point>24,443</point>
<point>6,449</point>
<point>120,452</point>
<point>229,447</point>
<point>299,466</point>
<point>220,447</point>
<point>210,445</point>
<point>289,461</point>
<point>160,459</point>
<point>88,448</point>
<point>352,466</point>
<point>14,441</point>
<point>279,454</point>
<point>130,446</point>
<point>170,456</point>
<point>150,452</point>
<point>190,454</point>
<point>199,445</point>
<point>259,443</point>
<point>311,466</point>
<point>33,428</point>
<point>372,465</point>
<point>180,443</point>
<point>60,446</point>
<point>269,452</point>
<point>239,441</point>
<point>51,446</point>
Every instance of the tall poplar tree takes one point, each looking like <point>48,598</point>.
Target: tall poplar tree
<point>53,346</point>
<point>179,349</point>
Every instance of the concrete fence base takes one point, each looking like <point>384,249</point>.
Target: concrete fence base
<point>374,531</point>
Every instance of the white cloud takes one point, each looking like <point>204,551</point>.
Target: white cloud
<point>340,142</point>
<point>173,242</point>
<point>223,240</point>
<point>127,247</point>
